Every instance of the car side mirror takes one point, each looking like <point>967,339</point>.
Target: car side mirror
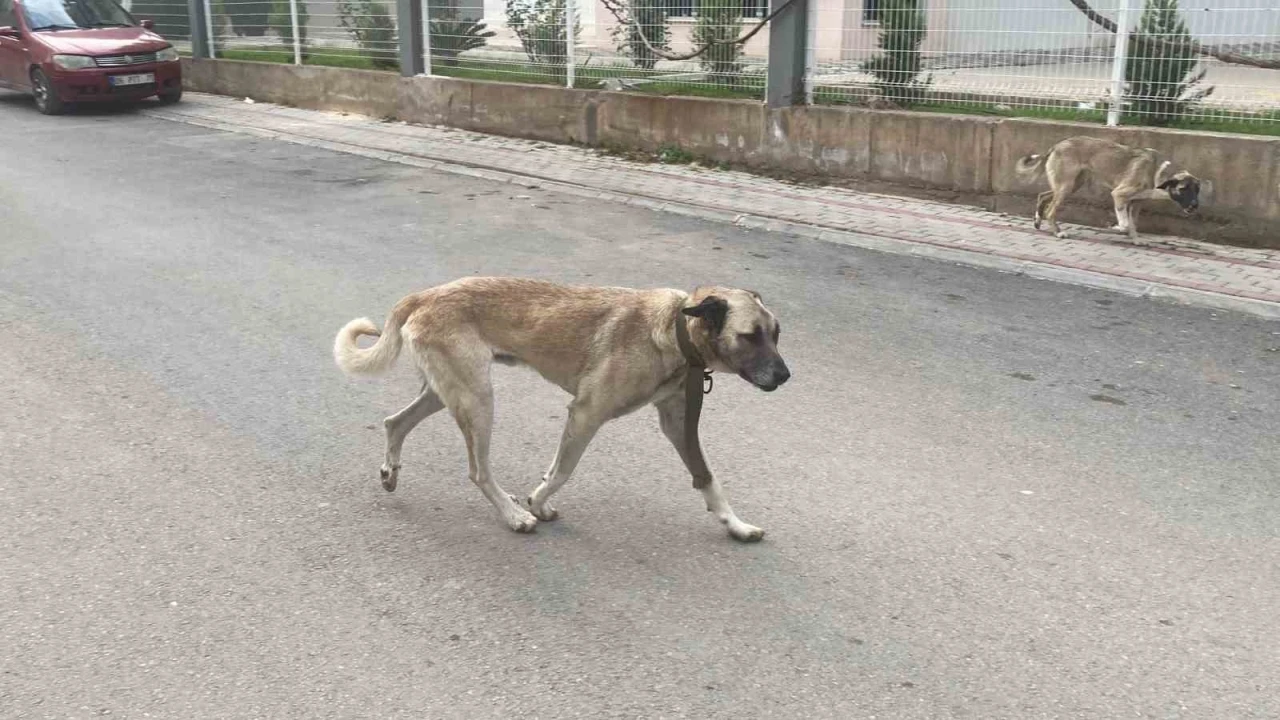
<point>9,32</point>
<point>148,24</point>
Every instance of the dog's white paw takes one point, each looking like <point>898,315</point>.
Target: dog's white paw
<point>519,519</point>
<point>743,532</point>
<point>389,474</point>
<point>543,512</point>
<point>1061,234</point>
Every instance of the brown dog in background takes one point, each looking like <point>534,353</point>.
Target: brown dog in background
<point>1132,174</point>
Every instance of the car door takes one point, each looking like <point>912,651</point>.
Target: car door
<point>13,50</point>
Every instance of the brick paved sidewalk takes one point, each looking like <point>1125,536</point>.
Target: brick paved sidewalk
<point>1180,269</point>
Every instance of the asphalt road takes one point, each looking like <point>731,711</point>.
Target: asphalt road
<point>986,496</point>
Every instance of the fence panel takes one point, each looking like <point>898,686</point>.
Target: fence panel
<point>171,17</point>
<point>1044,57</point>
<point>1008,57</point>
<point>527,41</point>
<point>341,33</point>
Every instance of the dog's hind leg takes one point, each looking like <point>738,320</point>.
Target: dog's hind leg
<point>1134,210</point>
<point>399,426</point>
<point>584,421</point>
<point>671,414</point>
<point>1041,200</point>
<point>462,381</point>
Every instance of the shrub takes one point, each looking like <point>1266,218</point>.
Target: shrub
<point>1159,77</point>
<point>897,67</point>
<point>651,18</point>
<point>540,26</point>
<point>451,36</point>
<point>282,22</point>
<point>719,21</point>
<point>374,30</point>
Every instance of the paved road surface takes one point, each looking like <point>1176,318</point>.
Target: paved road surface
<point>986,496</point>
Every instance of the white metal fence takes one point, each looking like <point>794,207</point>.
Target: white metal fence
<point>1002,56</point>
<point>1046,55</point>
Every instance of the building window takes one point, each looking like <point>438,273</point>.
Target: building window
<point>871,12</point>
<point>689,9</point>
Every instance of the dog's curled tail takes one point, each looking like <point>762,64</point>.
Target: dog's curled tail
<point>1031,165</point>
<point>375,359</point>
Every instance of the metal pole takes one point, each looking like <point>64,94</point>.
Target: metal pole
<point>426,37</point>
<point>297,37</point>
<point>787,56</point>
<point>208,26</point>
<point>570,60</point>
<point>810,50</point>
<point>409,21</point>
<point>199,36</point>
<point>1117,64</point>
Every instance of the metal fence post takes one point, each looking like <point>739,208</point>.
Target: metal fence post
<point>208,27</point>
<point>200,46</point>
<point>787,55</point>
<point>1118,63</point>
<point>426,37</point>
<point>409,23</point>
<point>570,59</point>
<point>810,50</point>
<point>297,37</point>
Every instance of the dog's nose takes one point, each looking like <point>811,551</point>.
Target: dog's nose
<point>781,375</point>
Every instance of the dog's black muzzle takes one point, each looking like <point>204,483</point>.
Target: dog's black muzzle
<point>770,378</point>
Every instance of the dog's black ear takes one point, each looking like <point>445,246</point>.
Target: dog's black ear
<point>712,309</point>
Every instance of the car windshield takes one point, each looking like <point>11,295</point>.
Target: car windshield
<point>75,14</point>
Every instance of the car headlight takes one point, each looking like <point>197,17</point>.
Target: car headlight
<point>168,54</point>
<point>73,62</point>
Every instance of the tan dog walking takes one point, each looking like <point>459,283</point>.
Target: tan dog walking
<point>614,350</point>
<point>1132,174</point>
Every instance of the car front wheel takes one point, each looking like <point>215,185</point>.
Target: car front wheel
<point>47,100</point>
<point>169,98</point>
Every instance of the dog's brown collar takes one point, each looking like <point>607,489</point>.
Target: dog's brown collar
<point>685,342</point>
<point>697,376</point>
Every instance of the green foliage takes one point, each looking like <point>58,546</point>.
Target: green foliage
<point>897,67</point>
<point>540,25</point>
<point>281,21</point>
<point>451,36</point>
<point>1159,77</point>
<point>652,19</point>
<point>719,21</point>
<point>374,30</point>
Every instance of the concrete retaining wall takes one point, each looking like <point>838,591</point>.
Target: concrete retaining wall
<point>970,159</point>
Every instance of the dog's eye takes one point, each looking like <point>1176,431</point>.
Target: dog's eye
<point>755,336</point>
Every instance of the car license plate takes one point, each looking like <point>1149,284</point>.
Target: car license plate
<point>138,79</point>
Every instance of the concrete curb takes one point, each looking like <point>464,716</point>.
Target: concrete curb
<point>867,241</point>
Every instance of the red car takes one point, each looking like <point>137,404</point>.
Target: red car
<point>78,51</point>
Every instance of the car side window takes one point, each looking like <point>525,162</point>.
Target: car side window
<point>7,16</point>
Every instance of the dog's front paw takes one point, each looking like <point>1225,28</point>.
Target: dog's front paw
<point>743,532</point>
<point>1061,234</point>
<point>543,512</point>
<point>521,520</point>
<point>389,474</point>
